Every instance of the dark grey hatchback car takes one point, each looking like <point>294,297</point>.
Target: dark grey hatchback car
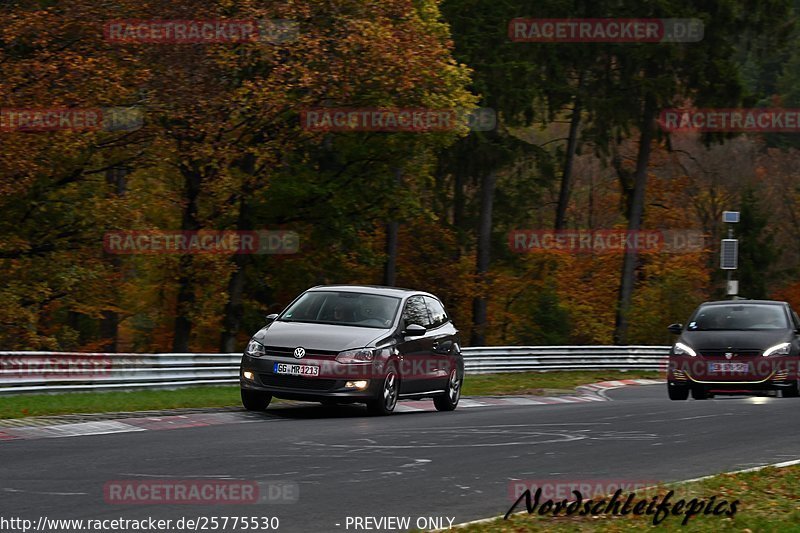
<point>735,346</point>
<point>355,344</point>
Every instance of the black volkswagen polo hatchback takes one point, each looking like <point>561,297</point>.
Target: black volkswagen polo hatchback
<point>735,346</point>
<point>355,344</point>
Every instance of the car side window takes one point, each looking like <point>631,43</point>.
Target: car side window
<point>795,319</point>
<point>416,312</point>
<point>436,309</point>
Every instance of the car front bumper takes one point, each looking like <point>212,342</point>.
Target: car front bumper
<point>331,384</point>
<point>761,374</point>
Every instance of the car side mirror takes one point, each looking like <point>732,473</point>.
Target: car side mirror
<point>414,330</point>
<point>675,328</point>
<point>271,318</point>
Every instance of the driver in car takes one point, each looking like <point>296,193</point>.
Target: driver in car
<point>339,313</point>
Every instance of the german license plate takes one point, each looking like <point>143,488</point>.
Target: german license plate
<point>734,368</point>
<point>295,370</point>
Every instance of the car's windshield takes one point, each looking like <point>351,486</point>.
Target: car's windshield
<point>738,317</point>
<point>343,308</point>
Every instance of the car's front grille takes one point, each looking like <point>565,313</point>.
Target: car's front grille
<point>297,382</point>
<point>289,352</point>
<point>737,353</point>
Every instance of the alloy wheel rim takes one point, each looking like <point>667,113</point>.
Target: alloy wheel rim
<point>390,391</point>
<point>455,387</point>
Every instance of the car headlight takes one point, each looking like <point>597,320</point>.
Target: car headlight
<point>255,349</point>
<point>682,349</point>
<point>779,349</point>
<point>362,355</point>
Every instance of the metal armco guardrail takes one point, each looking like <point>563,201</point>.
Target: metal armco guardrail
<point>69,372</point>
<point>53,372</point>
<point>546,358</point>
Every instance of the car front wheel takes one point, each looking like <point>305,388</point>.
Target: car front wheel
<point>793,391</point>
<point>386,400</point>
<point>449,400</point>
<point>677,392</point>
<point>254,400</point>
<point>700,393</point>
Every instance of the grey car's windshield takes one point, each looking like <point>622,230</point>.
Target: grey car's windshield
<point>738,317</point>
<point>343,308</point>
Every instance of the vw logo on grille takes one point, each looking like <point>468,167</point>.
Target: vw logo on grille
<point>299,352</point>
<point>728,355</point>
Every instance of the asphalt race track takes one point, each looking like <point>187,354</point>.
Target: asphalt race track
<point>417,464</point>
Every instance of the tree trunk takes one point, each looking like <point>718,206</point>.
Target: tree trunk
<point>109,324</point>
<point>479,316</point>
<point>458,211</point>
<point>635,221</point>
<point>234,309</point>
<point>390,266</point>
<point>183,306</point>
<point>392,232</point>
<point>566,177</point>
<point>186,298</point>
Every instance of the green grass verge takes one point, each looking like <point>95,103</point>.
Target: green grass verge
<point>19,406</point>
<point>769,500</point>
<point>104,402</point>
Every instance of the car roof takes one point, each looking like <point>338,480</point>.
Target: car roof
<point>745,302</point>
<point>371,289</point>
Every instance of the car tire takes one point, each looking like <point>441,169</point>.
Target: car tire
<point>255,400</point>
<point>449,400</point>
<point>699,393</point>
<point>677,392</point>
<point>791,392</point>
<point>386,399</point>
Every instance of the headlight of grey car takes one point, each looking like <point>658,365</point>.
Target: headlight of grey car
<point>255,349</point>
